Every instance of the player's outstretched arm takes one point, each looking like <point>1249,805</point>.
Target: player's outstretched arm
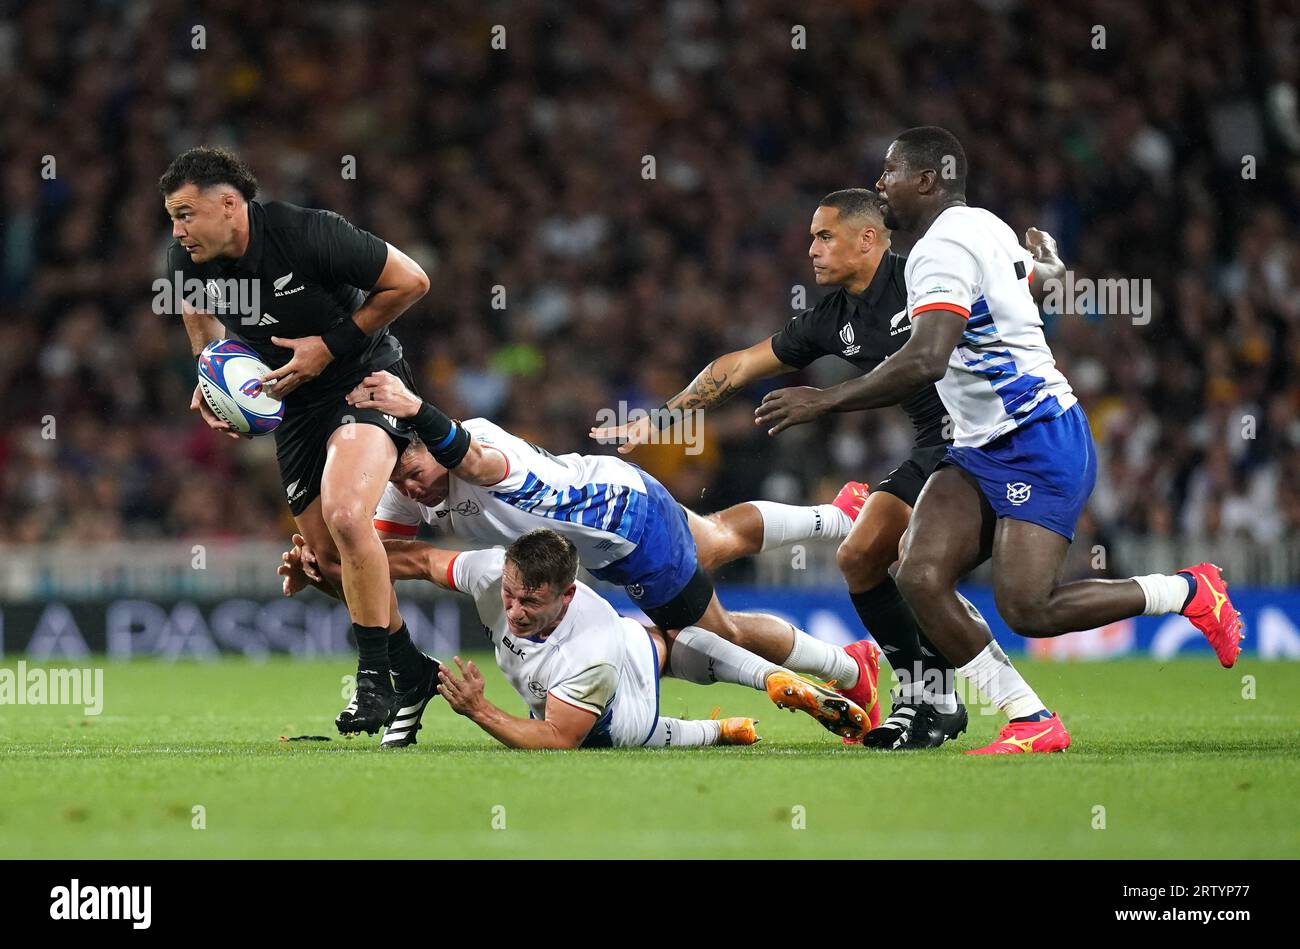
<point>565,726</point>
<point>415,560</point>
<point>450,444</point>
<point>1049,269</point>
<point>921,362</point>
<point>716,383</point>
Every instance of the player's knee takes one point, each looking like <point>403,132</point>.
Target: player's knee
<point>349,522</point>
<point>1023,615</point>
<point>918,580</point>
<point>863,563</point>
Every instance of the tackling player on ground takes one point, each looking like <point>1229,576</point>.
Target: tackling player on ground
<point>589,676</point>
<point>327,292</point>
<point>1023,461</point>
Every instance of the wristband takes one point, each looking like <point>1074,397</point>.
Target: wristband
<point>344,339</point>
<point>446,440</point>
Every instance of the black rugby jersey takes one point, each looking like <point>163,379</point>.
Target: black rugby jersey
<point>313,270</point>
<point>863,329</point>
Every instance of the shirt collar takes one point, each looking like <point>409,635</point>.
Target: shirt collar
<point>251,262</point>
<point>883,277</point>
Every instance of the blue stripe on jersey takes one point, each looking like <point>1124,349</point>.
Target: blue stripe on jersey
<point>998,366</point>
<point>622,506</point>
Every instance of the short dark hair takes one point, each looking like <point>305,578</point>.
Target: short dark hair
<point>544,557</point>
<point>209,165</point>
<point>931,148</point>
<point>855,203</point>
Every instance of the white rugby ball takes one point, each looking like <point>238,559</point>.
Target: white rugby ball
<point>230,379</point>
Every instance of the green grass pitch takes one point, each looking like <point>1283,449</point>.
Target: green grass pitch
<point>1183,764</point>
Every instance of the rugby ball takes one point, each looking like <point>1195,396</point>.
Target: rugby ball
<point>230,378</point>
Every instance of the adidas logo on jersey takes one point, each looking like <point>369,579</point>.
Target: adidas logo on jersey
<point>846,337</point>
<point>267,319</point>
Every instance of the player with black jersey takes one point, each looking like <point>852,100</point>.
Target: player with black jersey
<point>864,321</point>
<point>314,296</point>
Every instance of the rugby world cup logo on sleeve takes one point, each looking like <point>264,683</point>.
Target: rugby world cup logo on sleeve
<point>1018,492</point>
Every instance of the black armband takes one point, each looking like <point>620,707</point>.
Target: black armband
<point>446,439</point>
<point>344,339</point>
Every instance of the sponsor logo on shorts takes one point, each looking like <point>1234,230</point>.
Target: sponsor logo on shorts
<point>537,689</point>
<point>635,591</point>
<point>1017,492</point>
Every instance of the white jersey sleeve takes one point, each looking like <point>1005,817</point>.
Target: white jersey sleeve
<point>516,467</point>
<point>478,572</point>
<point>397,514</point>
<point>944,276</point>
<point>590,689</point>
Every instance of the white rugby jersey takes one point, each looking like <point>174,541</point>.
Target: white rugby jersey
<point>597,501</point>
<point>1001,376</point>
<point>594,659</point>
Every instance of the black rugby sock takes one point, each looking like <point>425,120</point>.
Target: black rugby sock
<point>372,653</point>
<point>893,625</point>
<point>406,660</point>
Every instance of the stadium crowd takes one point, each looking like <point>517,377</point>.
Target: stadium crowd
<point>623,192</point>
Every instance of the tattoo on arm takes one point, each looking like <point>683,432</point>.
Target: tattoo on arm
<point>711,387</point>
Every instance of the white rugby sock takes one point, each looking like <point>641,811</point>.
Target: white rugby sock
<point>682,733</point>
<point>992,673</point>
<point>814,657</point>
<point>1165,594</point>
<point>699,656</point>
<point>786,524</point>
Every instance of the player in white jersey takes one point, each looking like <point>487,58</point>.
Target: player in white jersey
<point>627,528</point>
<point>1023,462</point>
<point>589,677</point>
